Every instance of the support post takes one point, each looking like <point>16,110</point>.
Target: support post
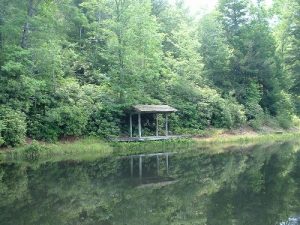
<point>140,125</point>
<point>167,132</point>
<point>131,166</point>
<point>130,124</point>
<point>157,164</point>
<point>167,163</point>
<point>156,125</point>
<point>141,167</point>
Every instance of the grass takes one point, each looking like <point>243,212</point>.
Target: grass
<point>87,148</point>
<point>248,138</point>
<point>92,147</point>
<point>218,141</point>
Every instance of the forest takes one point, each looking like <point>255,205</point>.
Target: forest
<point>74,67</point>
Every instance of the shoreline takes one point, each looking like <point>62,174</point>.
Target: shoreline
<point>95,145</point>
<point>231,137</point>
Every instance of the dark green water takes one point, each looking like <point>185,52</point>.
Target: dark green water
<point>256,186</point>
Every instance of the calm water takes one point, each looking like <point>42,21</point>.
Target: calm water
<point>256,186</point>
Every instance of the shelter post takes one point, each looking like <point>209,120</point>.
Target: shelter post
<point>157,164</point>
<point>167,133</point>
<point>141,166</point>
<point>140,125</point>
<point>167,163</point>
<point>130,124</point>
<point>156,124</point>
<point>131,166</point>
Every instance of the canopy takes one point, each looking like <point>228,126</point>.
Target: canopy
<point>154,109</point>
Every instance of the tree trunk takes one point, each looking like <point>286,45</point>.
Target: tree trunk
<point>30,12</point>
<point>119,33</point>
<point>1,24</point>
<point>1,39</point>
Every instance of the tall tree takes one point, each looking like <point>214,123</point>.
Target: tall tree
<point>253,61</point>
<point>215,51</point>
<point>287,33</point>
<point>133,46</point>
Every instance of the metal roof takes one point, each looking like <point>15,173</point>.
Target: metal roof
<point>154,108</point>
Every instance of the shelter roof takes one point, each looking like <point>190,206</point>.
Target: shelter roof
<point>154,109</point>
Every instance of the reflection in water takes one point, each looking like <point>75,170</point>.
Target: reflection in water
<point>258,185</point>
<point>151,168</point>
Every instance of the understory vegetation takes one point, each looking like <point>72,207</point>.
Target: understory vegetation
<point>75,67</point>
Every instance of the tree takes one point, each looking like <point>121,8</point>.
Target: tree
<point>288,34</point>
<point>215,52</point>
<point>253,57</point>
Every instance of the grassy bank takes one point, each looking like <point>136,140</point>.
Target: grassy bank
<point>247,137</point>
<point>217,141</point>
<point>91,147</point>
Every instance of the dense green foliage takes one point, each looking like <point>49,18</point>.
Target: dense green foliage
<point>12,126</point>
<point>73,67</point>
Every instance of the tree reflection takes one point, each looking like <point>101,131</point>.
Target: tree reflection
<point>257,185</point>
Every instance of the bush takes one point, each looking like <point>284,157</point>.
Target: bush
<point>33,151</point>
<point>297,104</point>
<point>104,122</point>
<point>200,108</point>
<point>1,128</point>
<point>227,114</point>
<point>296,121</point>
<point>67,111</point>
<point>285,110</point>
<point>257,122</point>
<point>13,127</point>
<point>58,122</point>
<point>39,128</point>
<point>69,120</point>
<point>285,121</point>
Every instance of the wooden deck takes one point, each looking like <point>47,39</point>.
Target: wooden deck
<point>149,138</point>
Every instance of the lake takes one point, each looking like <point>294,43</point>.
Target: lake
<point>253,185</point>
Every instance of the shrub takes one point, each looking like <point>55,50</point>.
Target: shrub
<point>39,128</point>
<point>58,122</point>
<point>69,120</point>
<point>200,108</point>
<point>227,114</point>
<point>253,111</point>
<point>13,127</point>
<point>285,110</point>
<point>33,151</point>
<point>237,112</point>
<point>104,121</point>
<point>257,122</point>
<point>296,121</point>
<point>285,121</point>
<point>297,104</point>
<point>1,128</point>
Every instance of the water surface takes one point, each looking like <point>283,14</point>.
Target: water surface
<point>257,185</point>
